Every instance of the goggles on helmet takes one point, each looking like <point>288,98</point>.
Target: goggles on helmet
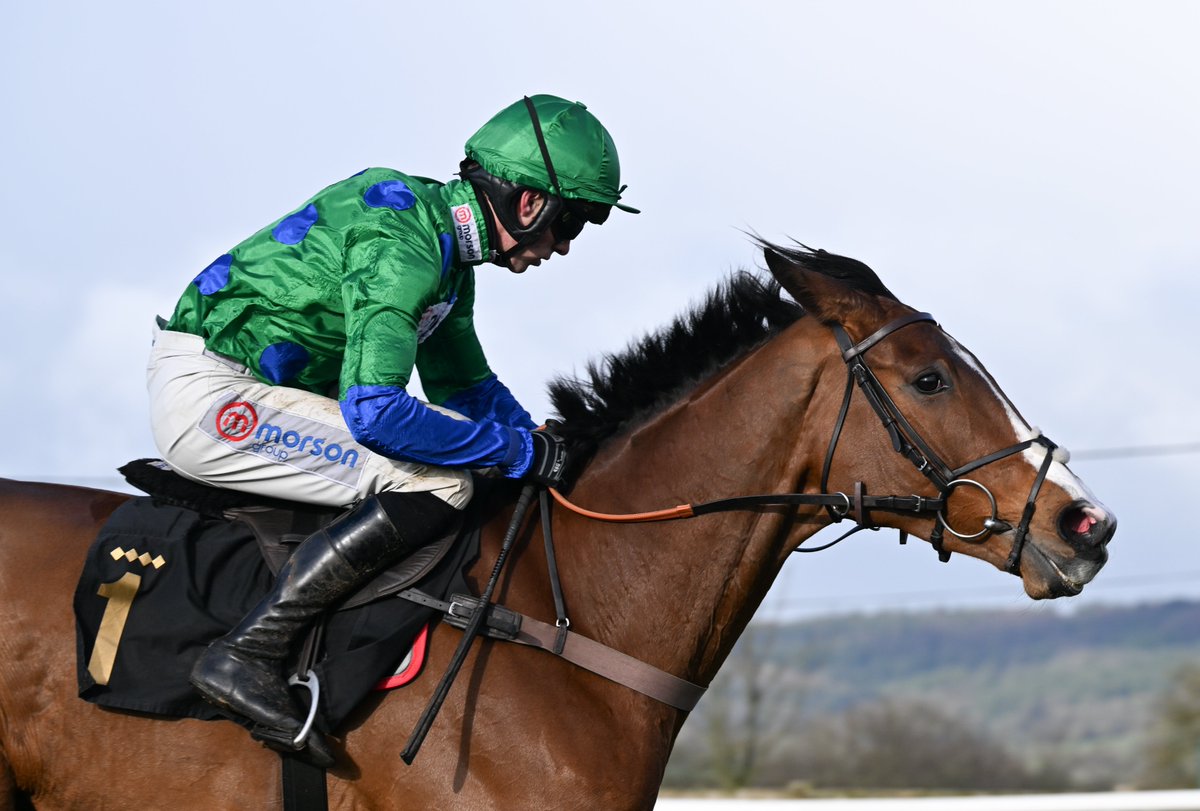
<point>574,215</point>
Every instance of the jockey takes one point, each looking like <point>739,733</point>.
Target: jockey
<point>283,371</point>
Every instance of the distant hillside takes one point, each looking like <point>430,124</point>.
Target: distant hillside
<point>1073,690</point>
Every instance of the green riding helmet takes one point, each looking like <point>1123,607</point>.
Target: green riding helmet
<point>583,153</point>
<point>553,145</point>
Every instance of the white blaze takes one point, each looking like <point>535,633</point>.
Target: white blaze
<point>1058,473</point>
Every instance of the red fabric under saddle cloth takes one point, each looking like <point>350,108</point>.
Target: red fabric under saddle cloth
<point>408,669</point>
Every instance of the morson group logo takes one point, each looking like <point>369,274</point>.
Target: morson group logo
<point>280,437</point>
<point>236,421</point>
<point>466,231</point>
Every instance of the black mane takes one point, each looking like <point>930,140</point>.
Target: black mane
<point>742,313</point>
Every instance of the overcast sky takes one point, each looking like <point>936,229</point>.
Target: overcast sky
<point>1026,171</point>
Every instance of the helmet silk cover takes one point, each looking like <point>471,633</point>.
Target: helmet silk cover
<point>583,153</point>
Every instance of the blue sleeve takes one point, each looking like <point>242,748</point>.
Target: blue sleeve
<point>391,422</point>
<point>491,400</point>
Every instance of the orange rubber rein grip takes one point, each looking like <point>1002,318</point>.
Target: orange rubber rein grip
<point>682,511</point>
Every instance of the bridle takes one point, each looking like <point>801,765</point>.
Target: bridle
<point>906,441</point>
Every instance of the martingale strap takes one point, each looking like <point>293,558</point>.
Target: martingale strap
<point>561,621</point>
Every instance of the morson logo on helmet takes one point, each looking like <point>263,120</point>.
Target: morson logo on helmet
<point>467,233</point>
<point>283,438</point>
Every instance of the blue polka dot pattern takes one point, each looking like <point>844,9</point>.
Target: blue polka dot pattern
<point>215,276</point>
<point>390,194</point>
<point>294,227</point>
<point>447,243</point>
<point>281,362</point>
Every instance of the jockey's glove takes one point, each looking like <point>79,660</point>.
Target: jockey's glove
<point>549,465</point>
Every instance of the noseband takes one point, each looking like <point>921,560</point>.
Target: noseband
<point>908,443</point>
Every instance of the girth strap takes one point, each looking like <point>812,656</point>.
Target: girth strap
<point>303,785</point>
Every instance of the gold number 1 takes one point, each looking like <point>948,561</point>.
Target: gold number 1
<point>120,596</point>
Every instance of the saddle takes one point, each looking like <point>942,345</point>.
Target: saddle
<point>173,570</point>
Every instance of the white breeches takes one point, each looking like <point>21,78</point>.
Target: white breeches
<point>216,423</point>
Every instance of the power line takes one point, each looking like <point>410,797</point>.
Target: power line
<point>989,592</point>
<point>1137,450</point>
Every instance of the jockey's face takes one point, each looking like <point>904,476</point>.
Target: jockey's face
<point>533,254</point>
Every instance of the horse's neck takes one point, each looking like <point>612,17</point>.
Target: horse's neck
<point>678,594</point>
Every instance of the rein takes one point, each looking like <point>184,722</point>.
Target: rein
<point>905,440</point>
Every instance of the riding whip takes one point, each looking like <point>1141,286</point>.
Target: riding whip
<point>470,632</point>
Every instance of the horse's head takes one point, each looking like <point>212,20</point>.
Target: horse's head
<point>923,417</point>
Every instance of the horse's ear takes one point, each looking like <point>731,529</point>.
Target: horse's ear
<point>833,288</point>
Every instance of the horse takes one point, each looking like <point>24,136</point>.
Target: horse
<point>747,393</point>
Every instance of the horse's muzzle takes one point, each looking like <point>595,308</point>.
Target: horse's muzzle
<point>1086,528</point>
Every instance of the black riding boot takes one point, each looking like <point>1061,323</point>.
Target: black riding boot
<point>242,672</point>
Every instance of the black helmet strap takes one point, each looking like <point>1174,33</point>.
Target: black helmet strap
<point>555,188</point>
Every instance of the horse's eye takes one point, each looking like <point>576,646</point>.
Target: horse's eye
<point>930,383</point>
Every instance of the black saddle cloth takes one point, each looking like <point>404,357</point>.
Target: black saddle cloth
<point>171,572</point>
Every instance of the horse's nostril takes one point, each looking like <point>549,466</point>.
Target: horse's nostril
<point>1077,522</point>
<point>1083,523</point>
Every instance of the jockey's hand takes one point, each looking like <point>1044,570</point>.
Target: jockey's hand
<point>549,465</point>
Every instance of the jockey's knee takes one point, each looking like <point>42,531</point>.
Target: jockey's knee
<point>455,487</point>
